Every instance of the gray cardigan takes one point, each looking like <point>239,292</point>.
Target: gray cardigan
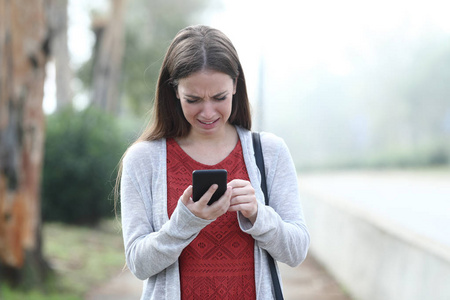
<point>153,243</point>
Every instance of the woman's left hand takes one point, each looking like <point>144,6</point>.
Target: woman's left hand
<point>243,199</point>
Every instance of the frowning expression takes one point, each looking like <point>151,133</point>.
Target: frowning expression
<point>206,100</point>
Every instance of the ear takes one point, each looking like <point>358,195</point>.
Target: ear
<point>235,85</point>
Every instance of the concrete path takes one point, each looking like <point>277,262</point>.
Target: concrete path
<point>309,281</point>
<point>416,200</point>
<point>124,286</point>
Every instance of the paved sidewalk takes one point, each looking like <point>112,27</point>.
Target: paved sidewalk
<point>309,281</point>
<point>124,286</point>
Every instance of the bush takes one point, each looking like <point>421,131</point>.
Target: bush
<point>82,150</point>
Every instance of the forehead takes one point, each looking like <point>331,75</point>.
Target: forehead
<point>205,81</point>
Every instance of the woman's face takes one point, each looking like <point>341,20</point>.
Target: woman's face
<point>206,100</point>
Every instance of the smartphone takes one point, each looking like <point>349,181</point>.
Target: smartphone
<point>202,180</point>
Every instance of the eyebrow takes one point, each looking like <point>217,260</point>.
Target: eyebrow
<point>215,96</point>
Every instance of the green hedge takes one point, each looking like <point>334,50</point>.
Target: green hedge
<point>82,150</point>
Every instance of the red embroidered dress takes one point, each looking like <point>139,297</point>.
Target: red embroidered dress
<point>219,262</point>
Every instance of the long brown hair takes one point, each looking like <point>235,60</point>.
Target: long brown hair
<point>193,49</point>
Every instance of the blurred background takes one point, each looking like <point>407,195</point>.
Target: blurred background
<point>359,90</point>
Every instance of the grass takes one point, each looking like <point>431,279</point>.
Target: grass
<point>82,258</point>
<point>9,294</point>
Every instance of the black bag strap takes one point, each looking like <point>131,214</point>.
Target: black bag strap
<point>260,163</point>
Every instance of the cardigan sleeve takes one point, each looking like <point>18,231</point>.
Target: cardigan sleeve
<point>149,251</point>
<point>280,227</point>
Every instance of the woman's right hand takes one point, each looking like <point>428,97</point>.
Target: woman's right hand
<point>201,208</point>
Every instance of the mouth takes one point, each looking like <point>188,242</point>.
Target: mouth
<point>208,122</point>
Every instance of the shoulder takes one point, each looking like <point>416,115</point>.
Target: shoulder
<point>271,143</point>
<point>144,151</point>
<point>271,140</point>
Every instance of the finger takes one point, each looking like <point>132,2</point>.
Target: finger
<point>219,207</point>
<point>187,194</point>
<point>234,208</point>
<point>243,191</point>
<point>244,208</point>
<point>209,193</point>
<point>242,199</point>
<point>224,200</point>
<point>239,207</point>
<point>235,183</point>
<point>248,210</point>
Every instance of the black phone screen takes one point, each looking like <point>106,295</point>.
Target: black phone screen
<point>202,181</point>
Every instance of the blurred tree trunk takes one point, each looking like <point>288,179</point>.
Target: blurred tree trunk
<point>24,52</point>
<point>108,57</point>
<point>57,22</point>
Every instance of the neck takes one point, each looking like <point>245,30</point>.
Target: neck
<point>210,150</point>
<point>225,136</point>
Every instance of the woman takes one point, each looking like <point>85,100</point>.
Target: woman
<point>191,250</point>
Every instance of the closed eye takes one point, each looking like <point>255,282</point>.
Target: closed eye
<point>221,96</point>
<point>192,99</point>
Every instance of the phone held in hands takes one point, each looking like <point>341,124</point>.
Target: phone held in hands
<point>202,180</point>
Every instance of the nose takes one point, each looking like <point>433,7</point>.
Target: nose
<point>208,110</point>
